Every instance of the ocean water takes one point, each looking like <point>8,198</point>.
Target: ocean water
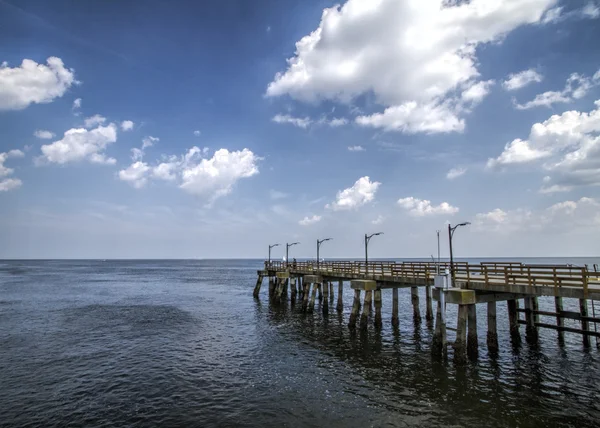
<point>183,343</point>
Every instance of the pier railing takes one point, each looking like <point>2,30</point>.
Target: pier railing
<point>495,273</point>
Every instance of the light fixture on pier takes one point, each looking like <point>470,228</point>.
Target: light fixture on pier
<point>367,239</point>
<point>319,242</point>
<point>451,230</point>
<point>271,246</point>
<point>287,250</point>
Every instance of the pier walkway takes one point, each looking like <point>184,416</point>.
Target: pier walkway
<point>469,284</point>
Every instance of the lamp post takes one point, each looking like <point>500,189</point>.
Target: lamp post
<point>367,239</point>
<point>271,246</point>
<point>287,250</point>
<point>319,242</point>
<point>438,260</point>
<point>451,230</point>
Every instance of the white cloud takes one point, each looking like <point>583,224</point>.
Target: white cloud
<point>356,148</point>
<point>569,146</point>
<point>591,10</point>
<point>577,87</point>
<point>362,192</point>
<point>338,121</point>
<point>552,15</point>
<point>33,83</point>
<point>80,144</point>
<point>378,220</point>
<point>555,188</point>
<point>301,122</point>
<point>76,103</point>
<point>149,141</point>
<point>197,133</point>
<point>415,56</point>
<point>94,121</point>
<point>476,92</point>
<point>127,125</point>
<point>43,134</point>
<point>307,221</point>
<point>455,173</point>
<point>275,194</point>
<point>521,79</point>
<point>7,184</point>
<point>422,207</point>
<point>135,174</point>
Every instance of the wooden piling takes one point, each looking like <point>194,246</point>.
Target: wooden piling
<point>293,291</point>
<point>414,294</point>
<point>340,299</point>
<point>364,318</point>
<point>355,309</point>
<point>560,323</point>
<point>513,319</point>
<point>531,332</point>
<point>439,342</point>
<point>331,294</point>
<point>271,286</point>
<point>320,290</point>
<point>378,322</point>
<point>472,342</point>
<point>325,305</point>
<point>492,333</point>
<point>585,325</point>
<point>258,285</point>
<point>460,348</point>
<point>395,322</point>
<point>428,305</point>
<point>305,294</point>
<point>313,296</point>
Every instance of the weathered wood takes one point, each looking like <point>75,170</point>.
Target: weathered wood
<point>585,326</point>
<point>313,296</point>
<point>492,333</point>
<point>377,322</point>
<point>340,299</point>
<point>439,342</point>
<point>364,317</point>
<point>513,319</point>
<point>414,295</point>
<point>567,329</point>
<point>558,304</point>
<point>331,295</point>
<point>531,332</point>
<point>460,345</point>
<point>320,290</point>
<point>395,321</point>
<point>472,342</point>
<point>428,305</point>
<point>306,292</point>
<point>271,286</point>
<point>355,309</point>
<point>257,287</point>
<point>293,291</point>
<point>325,305</point>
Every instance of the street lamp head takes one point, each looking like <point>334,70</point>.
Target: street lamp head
<point>466,223</point>
<point>293,243</point>
<point>320,241</point>
<point>274,245</point>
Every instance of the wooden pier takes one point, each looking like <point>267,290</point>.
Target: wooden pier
<point>466,286</point>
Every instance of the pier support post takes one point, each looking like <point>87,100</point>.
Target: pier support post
<point>439,343</point>
<point>472,342</point>
<point>428,307</point>
<point>325,298</point>
<point>313,296</point>
<point>271,286</point>
<point>531,332</point>
<point>492,334</point>
<point>331,294</point>
<point>293,290</point>
<point>460,348</point>
<point>378,322</point>
<point>364,318</point>
<point>414,297</point>
<point>355,309</point>
<point>257,287</point>
<point>560,323</point>
<point>513,319</point>
<point>340,299</point>
<point>320,290</point>
<point>305,294</point>
<point>395,322</point>
<point>585,325</point>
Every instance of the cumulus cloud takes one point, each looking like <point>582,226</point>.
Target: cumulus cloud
<point>338,121</point>
<point>33,83</point>
<point>567,146</point>
<point>521,79</point>
<point>76,103</point>
<point>307,221</point>
<point>378,220</point>
<point>356,148</point>
<point>210,177</point>
<point>300,122</point>
<point>577,87</point>
<point>197,133</point>
<point>79,144</point>
<point>127,125</point>
<point>149,141</point>
<point>417,57</point>
<point>275,194</point>
<point>7,184</point>
<point>362,192</point>
<point>422,207</point>
<point>43,134</point>
<point>93,121</point>
<point>455,173</point>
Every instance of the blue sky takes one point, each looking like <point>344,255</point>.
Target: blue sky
<point>211,129</point>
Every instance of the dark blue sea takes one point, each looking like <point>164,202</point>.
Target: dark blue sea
<point>182,343</point>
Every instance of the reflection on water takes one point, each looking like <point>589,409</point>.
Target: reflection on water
<point>183,343</point>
